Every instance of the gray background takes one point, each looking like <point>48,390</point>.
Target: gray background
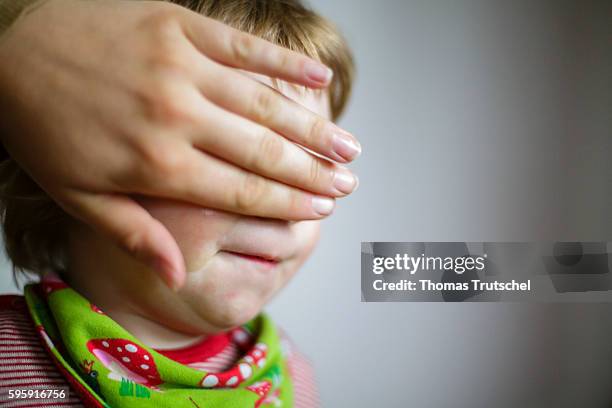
<point>480,121</point>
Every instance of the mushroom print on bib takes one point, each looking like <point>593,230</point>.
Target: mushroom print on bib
<point>117,370</point>
<point>126,362</point>
<point>255,357</point>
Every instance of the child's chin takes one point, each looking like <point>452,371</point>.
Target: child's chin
<point>233,311</point>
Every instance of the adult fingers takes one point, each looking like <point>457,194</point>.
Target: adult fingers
<point>133,229</point>
<point>262,104</point>
<point>264,152</point>
<point>235,48</point>
<point>204,179</point>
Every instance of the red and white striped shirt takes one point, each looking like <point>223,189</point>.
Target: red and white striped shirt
<point>26,365</point>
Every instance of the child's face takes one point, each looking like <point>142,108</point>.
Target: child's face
<point>224,288</point>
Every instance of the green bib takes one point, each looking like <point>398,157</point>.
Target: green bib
<point>119,371</point>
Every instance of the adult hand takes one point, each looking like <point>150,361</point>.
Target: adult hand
<point>105,100</point>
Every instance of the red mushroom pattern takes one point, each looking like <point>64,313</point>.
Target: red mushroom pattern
<point>242,337</point>
<point>96,309</point>
<point>273,399</point>
<point>237,374</point>
<point>261,388</point>
<point>126,360</point>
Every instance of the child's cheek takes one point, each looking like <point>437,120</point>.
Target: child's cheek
<point>197,230</point>
<point>308,233</point>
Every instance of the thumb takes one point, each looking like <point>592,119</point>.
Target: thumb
<point>133,229</point>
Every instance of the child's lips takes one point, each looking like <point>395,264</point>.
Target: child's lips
<point>263,260</point>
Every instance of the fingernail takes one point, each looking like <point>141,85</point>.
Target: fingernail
<point>318,72</point>
<point>323,205</point>
<point>346,146</point>
<point>344,181</point>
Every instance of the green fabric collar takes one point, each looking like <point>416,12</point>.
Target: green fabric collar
<point>119,371</point>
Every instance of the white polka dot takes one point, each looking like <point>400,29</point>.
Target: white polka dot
<point>144,366</point>
<point>232,381</point>
<point>261,346</point>
<point>126,359</point>
<point>249,359</point>
<point>240,336</point>
<point>119,349</point>
<point>257,353</point>
<point>210,381</point>
<point>245,370</point>
<point>105,343</point>
<point>261,362</point>
<point>146,357</point>
<point>131,348</point>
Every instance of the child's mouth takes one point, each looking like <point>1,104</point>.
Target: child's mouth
<point>260,259</point>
